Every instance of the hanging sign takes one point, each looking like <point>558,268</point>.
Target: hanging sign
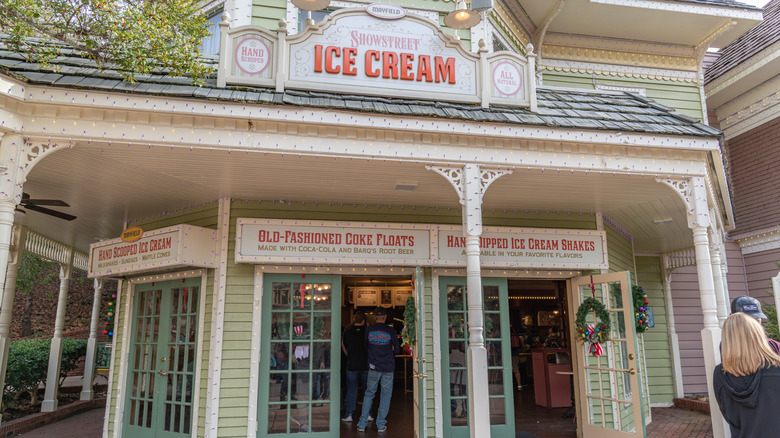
<point>528,248</point>
<point>379,50</point>
<point>292,241</point>
<point>162,249</point>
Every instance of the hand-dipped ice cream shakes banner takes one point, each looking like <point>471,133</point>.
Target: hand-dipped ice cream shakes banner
<point>362,51</point>
<point>361,243</point>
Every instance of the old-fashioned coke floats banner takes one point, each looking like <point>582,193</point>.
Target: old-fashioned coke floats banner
<point>362,243</point>
<point>158,250</point>
<point>377,50</point>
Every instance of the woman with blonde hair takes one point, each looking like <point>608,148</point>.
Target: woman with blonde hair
<point>747,383</point>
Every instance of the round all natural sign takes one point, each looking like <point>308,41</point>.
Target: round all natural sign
<point>252,55</point>
<point>507,78</point>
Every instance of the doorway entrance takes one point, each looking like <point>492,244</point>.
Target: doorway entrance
<point>541,357</point>
<point>364,294</point>
<point>162,359</point>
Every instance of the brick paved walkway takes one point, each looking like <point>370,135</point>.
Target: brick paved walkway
<point>679,423</point>
<point>667,423</point>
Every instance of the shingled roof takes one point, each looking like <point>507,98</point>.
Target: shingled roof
<point>557,107</point>
<point>729,3</point>
<point>753,41</point>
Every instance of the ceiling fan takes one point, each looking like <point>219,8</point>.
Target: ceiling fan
<point>35,205</point>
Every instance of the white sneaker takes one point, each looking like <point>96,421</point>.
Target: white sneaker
<point>370,418</point>
<point>347,419</point>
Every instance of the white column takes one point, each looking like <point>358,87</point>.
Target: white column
<point>49,403</point>
<point>720,294</point>
<point>7,308</point>
<point>479,403</point>
<point>674,340</point>
<point>89,363</point>
<point>710,335</point>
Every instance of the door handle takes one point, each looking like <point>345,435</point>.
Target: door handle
<point>630,371</point>
<point>631,356</point>
<point>420,376</point>
<point>162,372</point>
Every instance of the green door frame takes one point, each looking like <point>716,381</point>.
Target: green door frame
<point>286,334</point>
<point>496,310</point>
<point>161,361</point>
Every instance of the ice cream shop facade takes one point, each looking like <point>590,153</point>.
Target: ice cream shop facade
<point>372,159</point>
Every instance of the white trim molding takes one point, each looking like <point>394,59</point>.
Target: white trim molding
<point>759,241</point>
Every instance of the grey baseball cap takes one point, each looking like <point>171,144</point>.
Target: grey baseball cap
<point>749,306</point>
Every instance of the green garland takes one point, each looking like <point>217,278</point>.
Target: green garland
<point>640,308</point>
<point>602,326</point>
<point>409,333</point>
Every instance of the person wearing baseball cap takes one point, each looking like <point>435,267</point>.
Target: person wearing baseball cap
<point>381,346</point>
<point>752,307</point>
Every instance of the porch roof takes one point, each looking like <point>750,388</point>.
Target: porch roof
<point>557,107</point>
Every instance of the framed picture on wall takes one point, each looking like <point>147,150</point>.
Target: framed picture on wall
<point>366,297</point>
<point>401,294</point>
<point>387,297</point>
<point>547,318</point>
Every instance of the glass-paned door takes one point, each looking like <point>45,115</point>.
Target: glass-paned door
<point>163,347</point>
<point>454,345</point>
<point>609,399</point>
<point>299,356</point>
<point>420,367</point>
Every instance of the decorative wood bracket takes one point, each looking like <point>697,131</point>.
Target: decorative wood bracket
<point>471,183</point>
<point>693,192</point>
<point>35,150</point>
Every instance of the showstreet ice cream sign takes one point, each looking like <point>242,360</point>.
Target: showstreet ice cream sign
<point>378,50</point>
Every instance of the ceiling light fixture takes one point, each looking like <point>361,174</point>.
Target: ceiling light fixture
<point>405,186</point>
<point>311,5</point>
<point>462,18</point>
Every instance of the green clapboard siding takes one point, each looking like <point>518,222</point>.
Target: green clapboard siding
<point>267,13</point>
<point>656,339</point>
<point>204,215</point>
<point>682,96</point>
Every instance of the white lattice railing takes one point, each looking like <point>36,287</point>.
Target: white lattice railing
<point>680,259</point>
<point>50,249</point>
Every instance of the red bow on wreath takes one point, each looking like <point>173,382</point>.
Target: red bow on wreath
<point>592,336</point>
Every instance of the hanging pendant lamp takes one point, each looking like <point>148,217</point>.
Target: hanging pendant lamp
<point>311,5</point>
<point>462,18</point>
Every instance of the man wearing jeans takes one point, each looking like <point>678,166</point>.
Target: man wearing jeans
<point>382,346</point>
<point>353,344</point>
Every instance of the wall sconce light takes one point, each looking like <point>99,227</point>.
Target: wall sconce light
<point>462,18</point>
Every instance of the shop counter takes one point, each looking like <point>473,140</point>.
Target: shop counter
<point>552,377</point>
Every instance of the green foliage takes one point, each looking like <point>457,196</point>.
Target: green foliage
<point>34,270</point>
<point>771,327</point>
<point>28,362</point>
<point>409,333</point>
<point>134,37</point>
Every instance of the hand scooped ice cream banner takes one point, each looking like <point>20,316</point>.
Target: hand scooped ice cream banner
<point>365,243</point>
<point>157,250</point>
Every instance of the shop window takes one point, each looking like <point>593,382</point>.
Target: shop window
<point>210,44</point>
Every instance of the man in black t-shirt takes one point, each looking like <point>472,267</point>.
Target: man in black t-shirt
<point>353,344</point>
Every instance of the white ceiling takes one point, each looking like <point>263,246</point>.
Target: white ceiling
<point>107,185</point>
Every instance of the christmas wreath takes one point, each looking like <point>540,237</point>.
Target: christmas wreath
<point>640,308</point>
<point>596,333</point>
